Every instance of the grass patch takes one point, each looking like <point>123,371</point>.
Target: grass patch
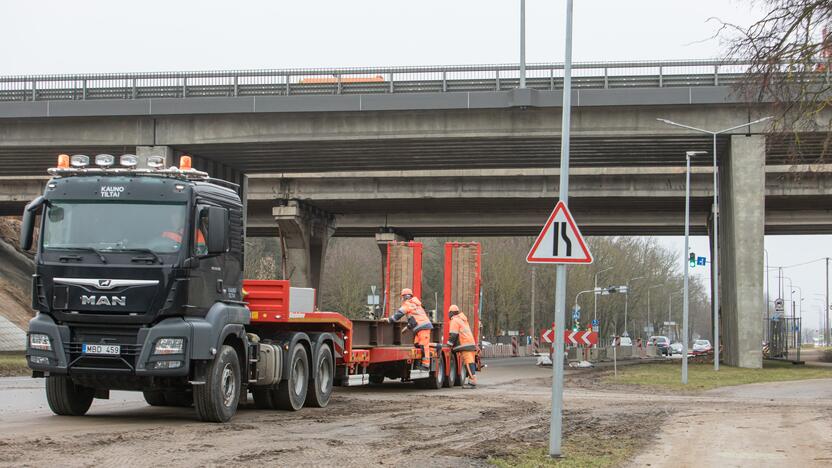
<point>703,377</point>
<point>604,452</point>
<point>13,365</point>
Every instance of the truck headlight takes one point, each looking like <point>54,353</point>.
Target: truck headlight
<point>169,346</point>
<point>40,341</point>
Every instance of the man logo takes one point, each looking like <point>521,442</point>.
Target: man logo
<point>104,300</point>
<point>104,283</point>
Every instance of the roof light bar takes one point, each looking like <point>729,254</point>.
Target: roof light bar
<point>79,160</point>
<point>105,160</point>
<point>129,160</point>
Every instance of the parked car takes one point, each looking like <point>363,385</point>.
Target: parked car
<point>702,347</point>
<point>662,343</point>
<point>676,348</point>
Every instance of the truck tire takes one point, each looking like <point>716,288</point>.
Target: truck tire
<point>291,392</point>
<point>437,378</point>
<point>67,399</point>
<point>154,398</point>
<point>263,398</point>
<point>216,400</point>
<point>376,379</point>
<point>182,399</point>
<point>453,375</point>
<point>324,373</point>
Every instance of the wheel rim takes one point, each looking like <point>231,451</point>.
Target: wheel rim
<point>298,376</point>
<point>229,386</point>
<point>324,376</point>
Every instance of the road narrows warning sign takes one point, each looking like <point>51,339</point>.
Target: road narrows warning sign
<point>560,241</point>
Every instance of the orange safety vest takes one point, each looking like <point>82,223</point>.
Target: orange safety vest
<point>417,318</point>
<point>460,327</point>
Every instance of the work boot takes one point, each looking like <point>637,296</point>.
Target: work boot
<point>470,384</point>
<point>422,367</point>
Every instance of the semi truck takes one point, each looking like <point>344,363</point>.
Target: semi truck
<point>139,286</point>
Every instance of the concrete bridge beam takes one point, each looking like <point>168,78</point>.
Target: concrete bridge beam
<point>741,241</point>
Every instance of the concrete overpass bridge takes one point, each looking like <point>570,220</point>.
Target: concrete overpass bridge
<point>444,151</point>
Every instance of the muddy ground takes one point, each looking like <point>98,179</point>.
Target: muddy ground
<point>395,424</point>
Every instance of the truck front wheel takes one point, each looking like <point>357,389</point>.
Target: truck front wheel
<point>67,399</point>
<point>216,400</point>
<point>324,375</point>
<point>291,392</point>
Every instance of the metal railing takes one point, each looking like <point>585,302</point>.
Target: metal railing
<point>377,80</point>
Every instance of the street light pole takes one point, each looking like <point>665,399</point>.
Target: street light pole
<point>715,259</point>
<point>532,332</point>
<point>688,155</point>
<point>627,300</point>
<point>648,305</point>
<point>595,303</point>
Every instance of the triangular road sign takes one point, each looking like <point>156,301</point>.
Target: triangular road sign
<point>560,241</point>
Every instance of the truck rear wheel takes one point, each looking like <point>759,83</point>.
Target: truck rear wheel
<point>216,400</point>
<point>263,398</point>
<point>453,376</point>
<point>67,399</point>
<point>291,392</point>
<point>437,378</point>
<point>154,398</point>
<point>324,373</point>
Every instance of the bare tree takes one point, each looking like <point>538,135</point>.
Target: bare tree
<point>790,49</point>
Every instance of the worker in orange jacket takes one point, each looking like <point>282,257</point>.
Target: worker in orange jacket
<point>462,341</point>
<point>417,321</point>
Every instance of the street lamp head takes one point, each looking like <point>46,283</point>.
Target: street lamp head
<point>690,154</point>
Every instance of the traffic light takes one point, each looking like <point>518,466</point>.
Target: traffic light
<point>692,260</point>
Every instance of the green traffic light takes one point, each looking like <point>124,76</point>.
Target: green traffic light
<point>692,260</point>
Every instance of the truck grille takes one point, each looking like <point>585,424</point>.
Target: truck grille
<point>126,338</point>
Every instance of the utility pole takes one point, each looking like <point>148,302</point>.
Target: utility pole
<point>826,313</point>
<point>522,43</point>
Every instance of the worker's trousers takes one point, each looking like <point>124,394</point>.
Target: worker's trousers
<point>422,340</point>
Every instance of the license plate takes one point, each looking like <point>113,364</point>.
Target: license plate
<point>112,350</point>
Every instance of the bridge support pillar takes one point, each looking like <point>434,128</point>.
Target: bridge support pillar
<point>382,239</point>
<point>306,231</point>
<point>741,239</point>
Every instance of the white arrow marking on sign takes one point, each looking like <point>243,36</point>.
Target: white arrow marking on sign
<point>560,240</point>
<point>586,338</point>
<point>572,338</point>
<point>547,336</point>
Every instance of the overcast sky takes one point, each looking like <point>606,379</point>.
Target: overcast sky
<point>59,36</point>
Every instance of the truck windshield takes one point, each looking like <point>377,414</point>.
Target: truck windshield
<point>115,226</point>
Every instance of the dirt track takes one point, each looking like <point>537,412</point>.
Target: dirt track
<point>390,425</point>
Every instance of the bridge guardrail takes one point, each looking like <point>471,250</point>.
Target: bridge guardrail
<point>371,80</point>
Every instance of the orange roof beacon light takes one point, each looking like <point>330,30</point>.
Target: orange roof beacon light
<point>63,161</point>
<point>185,163</point>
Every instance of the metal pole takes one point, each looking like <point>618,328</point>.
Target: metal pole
<point>687,272</point>
<point>626,301</point>
<point>556,424</point>
<point>826,323</point>
<point>522,43</point>
<point>768,300</point>
<point>716,262</point>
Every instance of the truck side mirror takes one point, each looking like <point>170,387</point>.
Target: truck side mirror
<point>27,228</point>
<point>217,241</point>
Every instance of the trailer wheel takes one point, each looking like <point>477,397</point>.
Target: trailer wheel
<point>437,378</point>
<point>376,379</point>
<point>321,385</point>
<point>154,398</point>
<point>217,399</point>
<point>453,376</point>
<point>291,393</point>
<point>263,398</point>
<point>67,399</point>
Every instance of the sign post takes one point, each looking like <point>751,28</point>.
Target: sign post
<point>556,423</point>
